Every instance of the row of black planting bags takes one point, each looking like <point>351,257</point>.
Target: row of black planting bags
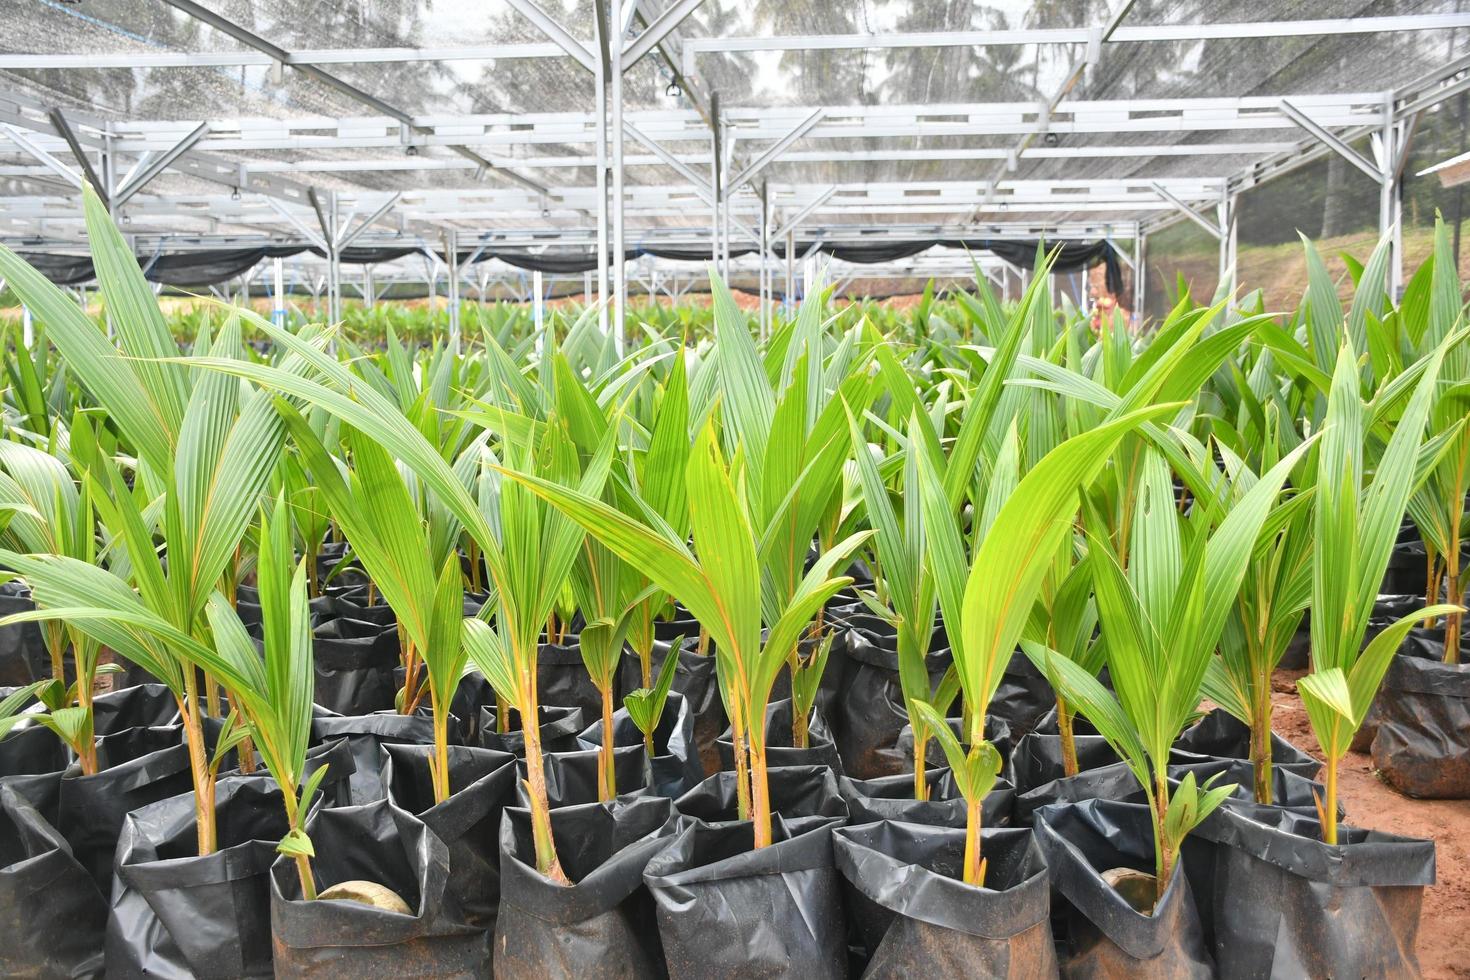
<point>99,872</point>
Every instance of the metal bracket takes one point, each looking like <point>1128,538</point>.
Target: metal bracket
<point>775,150</point>
<point>662,26</point>
<point>136,181</point>
<point>1215,230</point>
<point>1336,145</point>
<point>803,214</point>
<point>20,139</point>
<point>348,237</point>
<point>63,127</point>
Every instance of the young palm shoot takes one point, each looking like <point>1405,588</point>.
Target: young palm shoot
<point>645,706</point>
<point>48,515</point>
<point>276,696</point>
<point>1161,619</point>
<point>420,577</point>
<point>1267,612</point>
<point>1355,523</point>
<point>722,588</point>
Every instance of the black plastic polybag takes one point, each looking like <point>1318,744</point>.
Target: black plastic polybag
<point>602,924</point>
<point>892,798</point>
<point>1288,905</point>
<point>140,706</point>
<point>385,844</point>
<point>33,756</point>
<point>23,654</point>
<point>1221,735</point>
<point>366,735</point>
<point>247,606</point>
<point>675,767</point>
<point>803,795</point>
<point>869,713</point>
<point>1023,697</point>
<point>820,750</point>
<point>1422,745</point>
<point>176,914</point>
<point>729,910</point>
<point>694,679</point>
<point>481,783</point>
<point>571,777</point>
<point>51,914</point>
<point>137,766</point>
<point>1104,936</point>
<point>997,733</point>
<point>355,601</point>
<point>562,679</point>
<point>559,728</point>
<point>354,665</point>
<point>915,917</point>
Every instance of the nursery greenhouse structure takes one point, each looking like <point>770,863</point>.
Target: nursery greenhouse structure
<point>715,490</point>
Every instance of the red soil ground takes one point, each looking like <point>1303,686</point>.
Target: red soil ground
<point>1444,932</point>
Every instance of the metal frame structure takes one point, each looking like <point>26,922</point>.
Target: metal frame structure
<point>697,177</point>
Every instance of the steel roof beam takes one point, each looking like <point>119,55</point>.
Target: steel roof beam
<point>249,38</point>
<point>63,127</point>
<point>1332,142</point>
<point>140,178</point>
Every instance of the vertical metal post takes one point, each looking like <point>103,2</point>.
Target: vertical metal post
<point>620,267</point>
<point>716,180</point>
<point>369,289</point>
<point>725,215</point>
<point>334,263</point>
<point>1226,214</point>
<point>451,260</point>
<point>278,291</point>
<point>765,230</point>
<point>27,327</point>
<point>587,288</point>
<point>790,297</point>
<point>1390,199</point>
<point>600,87</point>
<point>1140,277</point>
<point>538,310</point>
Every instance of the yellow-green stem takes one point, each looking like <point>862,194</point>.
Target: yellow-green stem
<point>198,767</point>
<point>760,796</point>
<point>1068,739</point>
<point>441,748</point>
<point>974,870</point>
<point>921,766</point>
<point>1329,805</point>
<point>1165,867</point>
<point>607,775</point>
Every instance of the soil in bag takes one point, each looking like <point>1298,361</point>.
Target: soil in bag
<point>892,798</point>
<point>52,915</point>
<point>694,679</point>
<point>386,845</point>
<point>804,796</point>
<point>1288,905</point>
<point>137,766</point>
<point>602,924</point>
<point>869,711</point>
<point>176,914</point>
<point>481,784</point>
<point>1103,935</point>
<point>674,768</point>
<point>729,910</point>
<point>559,728</point>
<point>366,735</point>
<point>915,917</point>
<point>820,749</point>
<point>1422,744</point>
<point>571,777</point>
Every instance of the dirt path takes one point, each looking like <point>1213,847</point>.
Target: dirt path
<point>1444,932</point>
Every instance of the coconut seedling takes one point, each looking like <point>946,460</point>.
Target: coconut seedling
<point>719,581</point>
<point>1355,521</point>
<point>274,693</point>
<point>1161,618</point>
<point>791,439</point>
<point>48,514</point>
<point>1266,614</point>
<point>991,599</point>
<point>205,453</point>
<point>907,576</point>
<point>416,569</point>
<point>1438,504</point>
<point>645,705</point>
